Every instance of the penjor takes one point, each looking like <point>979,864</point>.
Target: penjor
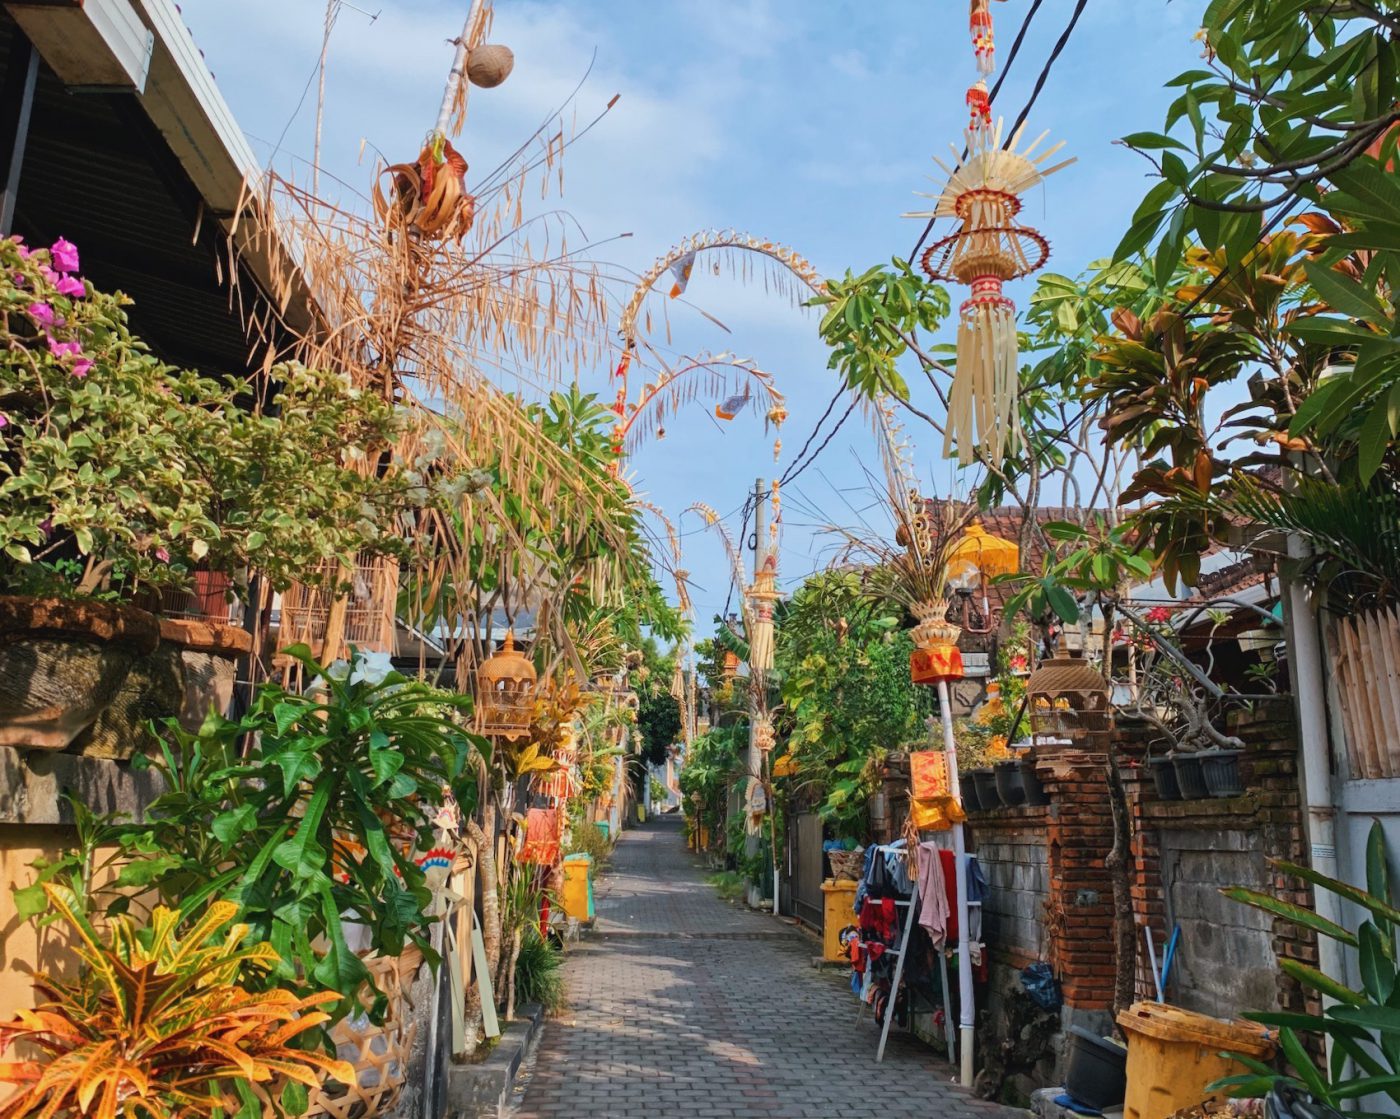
<point>989,248</point>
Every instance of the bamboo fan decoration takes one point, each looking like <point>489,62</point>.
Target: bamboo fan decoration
<point>988,249</point>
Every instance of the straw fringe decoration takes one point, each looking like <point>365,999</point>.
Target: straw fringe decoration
<point>988,249</point>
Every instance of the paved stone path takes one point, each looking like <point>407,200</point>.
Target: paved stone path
<point>680,1004</point>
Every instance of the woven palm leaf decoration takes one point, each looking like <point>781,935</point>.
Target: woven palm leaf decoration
<point>988,248</point>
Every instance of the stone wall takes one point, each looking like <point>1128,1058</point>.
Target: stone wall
<point>1011,849</point>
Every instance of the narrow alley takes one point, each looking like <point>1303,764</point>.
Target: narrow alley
<point>679,1003</point>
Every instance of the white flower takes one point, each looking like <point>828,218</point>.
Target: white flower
<point>338,670</point>
<point>371,668</point>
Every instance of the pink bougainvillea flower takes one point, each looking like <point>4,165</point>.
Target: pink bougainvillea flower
<point>64,255</point>
<point>42,313</point>
<point>4,420</point>
<point>71,286</point>
<point>162,555</point>
<point>64,349</point>
<point>81,367</point>
<point>46,527</point>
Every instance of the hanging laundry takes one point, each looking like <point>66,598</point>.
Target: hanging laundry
<point>933,894</point>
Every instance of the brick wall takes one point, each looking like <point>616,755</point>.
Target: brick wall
<point>1185,851</point>
<point>1050,896</point>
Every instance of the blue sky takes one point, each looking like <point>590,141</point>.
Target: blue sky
<point>809,122</point>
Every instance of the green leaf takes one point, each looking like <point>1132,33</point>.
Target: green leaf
<point>1344,294</point>
<point>1377,971</point>
<point>1373,442</point>
<point>1322,983</point>
<point>1063,603</point>
<point>228,826</point>
<point>1290,912</point>
<point>1302,1063</point>
<point>1151,141</point>
<point>286,714</point>
<point>1378,866</point>
<point>30,901</point>
<point>301,854</point>
<point>1376,906</point>
<point>1169,251</point>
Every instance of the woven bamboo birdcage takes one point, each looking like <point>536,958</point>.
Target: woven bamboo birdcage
<point>1068,700</point>
<point>380,1054</point>
<point>506,685</point>
<point>369,609</point>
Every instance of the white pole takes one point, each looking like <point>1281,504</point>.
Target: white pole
<point>1309,672</point>
<point>457,76</point>
<point>966,1009</point>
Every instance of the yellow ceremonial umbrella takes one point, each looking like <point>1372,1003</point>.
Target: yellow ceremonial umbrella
<point>978,552</point>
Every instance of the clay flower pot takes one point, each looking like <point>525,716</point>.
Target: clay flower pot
<point>62,662</point>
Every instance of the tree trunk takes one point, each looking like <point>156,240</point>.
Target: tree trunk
<point>511,960</point>
<point>1119,866</point>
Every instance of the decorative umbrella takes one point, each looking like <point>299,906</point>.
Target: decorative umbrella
<point>978,551</point>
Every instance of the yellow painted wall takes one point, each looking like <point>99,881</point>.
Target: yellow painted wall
<point>23,948</point>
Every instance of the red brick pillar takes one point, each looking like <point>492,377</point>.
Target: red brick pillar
<point>1079,908</point>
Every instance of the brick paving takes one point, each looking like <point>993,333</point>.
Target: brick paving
<point>680,1004</point>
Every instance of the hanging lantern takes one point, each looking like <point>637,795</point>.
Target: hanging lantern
<point>988,249</point>
<point>506,684</point>
<point>1068,700</point>
<point>731,665</point>
<point>979,25</point>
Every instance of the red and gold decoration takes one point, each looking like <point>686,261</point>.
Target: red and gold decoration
<point>988,248</point>
<point>984,44</point>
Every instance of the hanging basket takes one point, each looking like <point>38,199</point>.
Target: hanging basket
<point>380,1054</point>
<point>847,865</point>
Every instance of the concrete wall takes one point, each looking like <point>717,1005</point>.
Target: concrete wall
<point>1226,962</point>
<point>1013,855</point>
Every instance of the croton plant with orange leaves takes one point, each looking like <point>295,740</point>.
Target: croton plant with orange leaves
<point>158,1025</point>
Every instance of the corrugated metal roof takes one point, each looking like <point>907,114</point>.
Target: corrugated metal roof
<point>99,172</point>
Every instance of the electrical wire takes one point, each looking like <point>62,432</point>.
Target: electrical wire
<point>991,99</point>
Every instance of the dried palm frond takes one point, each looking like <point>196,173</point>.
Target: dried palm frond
<point>443,326</point>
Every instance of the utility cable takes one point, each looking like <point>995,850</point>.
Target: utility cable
<point>991,99</point>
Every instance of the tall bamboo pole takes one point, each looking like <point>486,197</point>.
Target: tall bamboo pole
<point>457,76</point>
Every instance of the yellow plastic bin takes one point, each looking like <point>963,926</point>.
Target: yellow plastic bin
<point>578,887</point>
<point>1173,1054</point>
<point>837,912</point>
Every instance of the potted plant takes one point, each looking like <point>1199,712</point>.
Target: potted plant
<point>315,829</point>
<point>988,795</point>
<point>171,1018</point>
<point>1010,786</point>
<point>1189,777</point>
<point>1036,797</point>
<point>1221,770</point>
<point>1164,777</point>
<point>967,787</point>
<point>122,479</point>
